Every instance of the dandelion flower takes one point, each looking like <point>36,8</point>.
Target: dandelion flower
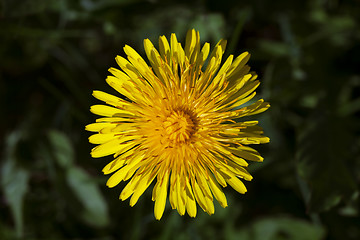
<point>178,123</point>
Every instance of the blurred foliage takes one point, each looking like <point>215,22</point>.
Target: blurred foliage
<point>53,53</point>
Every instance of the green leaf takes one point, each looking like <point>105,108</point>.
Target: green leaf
<point>209,25</point>
<point>95,210</point>
<point>15,184</point>
<point>62,148</point>
<point>6,232</point>
<point>276,49</point>
<point>14,181</point>
<point>91,5</point>
<point>281,228</point>
<point>323,154</point>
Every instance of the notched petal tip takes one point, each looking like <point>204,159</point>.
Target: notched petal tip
<point>87,128</point>
<point>126,47</point>
<point>122,198</point>
<point>111,69</point>
<point>132,201</point>
<point>93,155</point>
<point>248,178</point>
<point>265,140</point>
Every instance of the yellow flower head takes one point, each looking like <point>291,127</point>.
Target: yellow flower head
<point>178,122</point>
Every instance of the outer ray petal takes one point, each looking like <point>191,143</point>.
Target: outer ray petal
<point>101,138</point>
<point>216,190</point>
<point>111,147</point>
<point>117,177</point>
<point>190,201</point>
<point>161,193</point>
<point>236,184</point>
<point>141,186</point>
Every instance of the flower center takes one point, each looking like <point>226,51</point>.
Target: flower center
<point>179,126</point>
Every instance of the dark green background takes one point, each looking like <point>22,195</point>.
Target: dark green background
<point>53,53</point>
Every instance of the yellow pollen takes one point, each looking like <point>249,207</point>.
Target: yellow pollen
<point>179,127</point>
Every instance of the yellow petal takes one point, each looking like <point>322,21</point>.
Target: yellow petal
<point>238,63</point>
<point>190,43</point>
<point>221,45</point>
<point>142,185</point>
<point>220,179</point>
<point>139,63</point>
<point>244,100</point>
<point>117,177</point>
<point>259,109</point>
<point>111,147</point>
<point>114,165</point>
<point>128,68</point>
<point>236,184</point>
<point>199,196</point>
<point>210,206</point>
<point>110,99</point>
<point>129,188</point>
<point>190,201</point>
<point>118,162</point>
<point>172,194</point>
<point>148,46</point>
<point>203,183</point>
<point>217,191</point>
<point>231,168</point>
<point>113,120</point>
<point>120,175</point>
<point>173,45</point>
<point>247,155</point>
<point>96,127</point>
<point>164,48</point>
<point>181,198</point>
<point>205,52</point>
<point>117,84</point>
<point>101,138</point>
<point>160,200</point>
<point>181,56</point>
<point>108,111</point>
<point>225,66</point>
<point>120,75</point>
